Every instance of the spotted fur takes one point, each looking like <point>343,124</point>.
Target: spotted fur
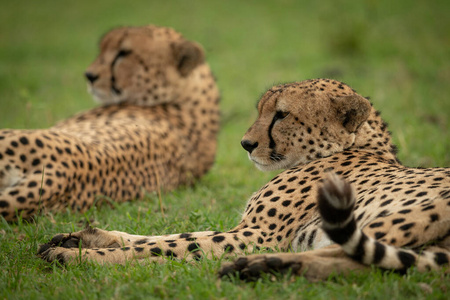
<point>156,129</point>
<point>310,128</point>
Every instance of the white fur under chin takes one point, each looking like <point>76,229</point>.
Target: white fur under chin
<point>100,97</point>
<point>280,165</point>
<point>96,99</point>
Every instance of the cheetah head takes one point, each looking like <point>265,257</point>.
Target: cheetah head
<point>303,121</point>
<point>142,65</point>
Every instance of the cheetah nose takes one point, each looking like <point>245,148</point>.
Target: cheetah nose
<point>248,145</point>
<point>91,77</point>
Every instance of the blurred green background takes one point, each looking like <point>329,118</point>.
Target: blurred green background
<point>396,52</point>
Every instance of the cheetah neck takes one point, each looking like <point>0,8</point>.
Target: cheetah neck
<point>374,136</point>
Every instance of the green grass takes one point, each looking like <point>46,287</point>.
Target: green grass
<point>397,52</point>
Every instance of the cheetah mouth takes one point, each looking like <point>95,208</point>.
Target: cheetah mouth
<point>272,165</point>
<point>258,163</point>
<point>262,167</point>
<point>265,166</point>
<point>100,96</point>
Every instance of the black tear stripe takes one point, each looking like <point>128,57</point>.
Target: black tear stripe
<point>272,142</point>
<point>121,53</point>
<point>113,78</point>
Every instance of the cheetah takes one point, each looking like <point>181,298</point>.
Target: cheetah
<point>343,202</point>
<point>156,129</point>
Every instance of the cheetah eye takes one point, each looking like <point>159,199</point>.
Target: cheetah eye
<point>123,53</point>
<point>280,115</point>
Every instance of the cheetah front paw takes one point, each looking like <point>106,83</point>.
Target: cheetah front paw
<point>60,254</point>
<point>87,238</point>
<point>66,247</point>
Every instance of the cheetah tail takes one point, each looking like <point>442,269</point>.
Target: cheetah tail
<point>336,202</point>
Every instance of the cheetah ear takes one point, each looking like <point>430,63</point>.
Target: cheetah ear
<point>352,111</point>
<point>188,55</point>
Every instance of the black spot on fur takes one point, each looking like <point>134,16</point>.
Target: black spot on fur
<point>32,184</point>
<point>305,189</point>
<point>39,143</point>
<point>24,140</point>
<point>140,242</point>
<point>377,224</point>
<point>310,206</point>
<point>218,238</point>
<point>193,247</point>
<point>434,217</point>
<point>170,253</point>
<point>267,194</point>
<point>399,220</point>
<point>406,226</point>
<point>260,208</point>
<point>228,248</point>
<point>286,203</point>
<point>185,235</point>
<point>156,251</point>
